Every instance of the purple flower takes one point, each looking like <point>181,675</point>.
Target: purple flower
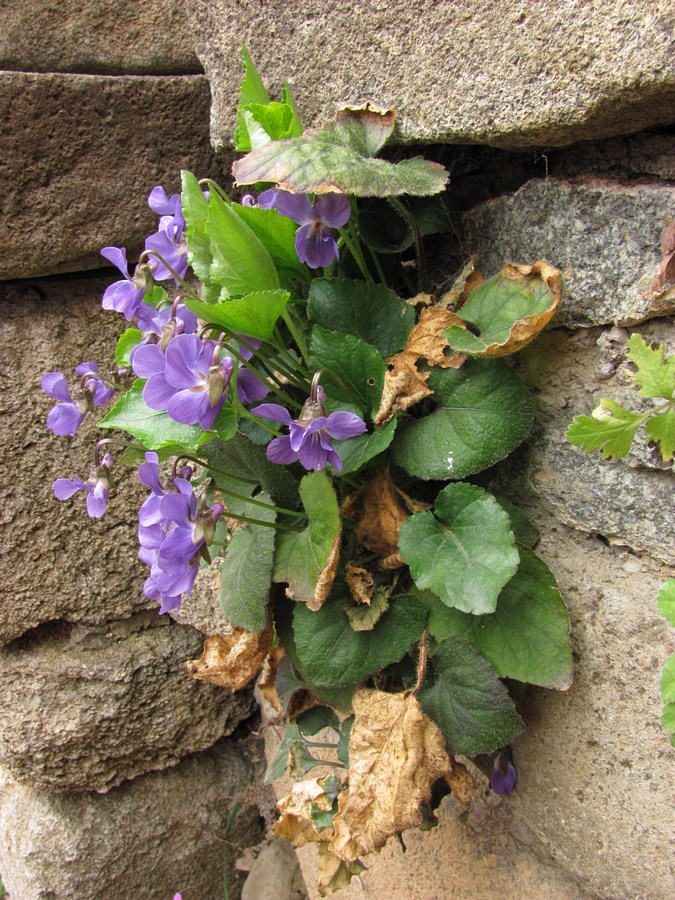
<point>250,388</point>
<point>126,295</point>
<point>68,414</point>
<point>309,438</point>
<point>97,487</point>
<point>314,241</point>
<point>170,240</point>
<point>159,327</point>
<point>504,774</point>
<point>266,199</point>
<point>188,381</point>
<point>160,202</point>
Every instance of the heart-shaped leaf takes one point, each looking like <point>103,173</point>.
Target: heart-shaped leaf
<point>357,451</point>
<point>466,699</point>
<point>484,412</point>
<point>254,315</point>
<point>154,428</point>
<point>358,366</point>
<point>464,551</point>
<point>527,637</point>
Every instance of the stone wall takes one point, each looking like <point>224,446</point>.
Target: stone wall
<point>542,113</point>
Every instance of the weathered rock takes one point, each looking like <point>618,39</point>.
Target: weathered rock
<point>58,563</point>
<point>201,609</point>
<point>275,875</point>
<point>96,37</point>
<point>80,156</point>
<point>149,838</point>
<point>86,708</point>
<point>533,75</point>
<point>604,237</point>
<point>629,502</point>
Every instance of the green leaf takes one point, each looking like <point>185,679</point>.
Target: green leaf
<point>254,315</point>
<point>276,232</point>
<point>331,654</point>
<point>343,743</point>
<point>661,429</point>
<point>277,767</point>
<point>363,616</point>
<point>239,458</point>
<point>196,210</point>
<point>241,263</point>
<point>252,90</point>
<point>246,573</point>
<point>655,375</point>
<point>316,719</point>
<point>125,344</point>
<point>611,429</point>
<point>357,451</point>
<point>153,428</point>
<point>464,551</point>
<point>484,411</point>
<point>368,311</point>
<point>667,688</point>
<point>527,637</point>
<point>508,310</point>
<point>270,121</point>
<point>468,702</point>
<point>337,158</point>
<point>666,600</point>
<point>358,366</point>
<point>525,533</point>
<point>302,556</point>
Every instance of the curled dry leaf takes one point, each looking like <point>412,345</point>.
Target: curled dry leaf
<point>462,783</point>
<point>296,824</point>
<point>267,683</point>
<point>404,384</point>
<point>361,583</point>
<point>335,873</point>
<point>466,281</point>
<point>379,509</point>
<point>326,578</point>
<point>395,755</point>
<point>665,277</point>
<point>365,618</point>
<point>231,660</point>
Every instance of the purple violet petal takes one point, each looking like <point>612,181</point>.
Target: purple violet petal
<point>279,451</point>
<point>97,500</point>
<point>157,393</point>
<point>148,361</point>
<point>295,206</point>
<point>55,384</point>
<point>186,363</point>
<point>188,406</point>
<point>118,257</point>
<point>177,508</point>
<point>342,425</point>
<point>64,488</point>
<point>312,455</point>
<point>315,246</point>
<point>273,411</point>
<point>64,419</point>
<point>333,210</point>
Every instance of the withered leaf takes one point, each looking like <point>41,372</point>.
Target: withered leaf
<point>296,823</point>
<point>467,279</point>
<point>395,755</point>
<point>231,660</point>
<point>403,387</point>
<point>335,873</point>
<point>665,277</point>
<point>365,618</point>
<point>427,339</point>
<point>462,783</point>
<point>267,683</point>
<point>360,582</point>
<point>379,509</point>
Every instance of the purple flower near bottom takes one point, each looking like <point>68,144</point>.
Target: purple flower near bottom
<point>68,414</point>
<point>309,437</point>
<point>504,773</point>
<point>314,241</point>
<point>97,488</point>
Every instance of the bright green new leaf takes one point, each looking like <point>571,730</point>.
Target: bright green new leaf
<point>464,696</point>
<point>241,263</point>
<point>368,311</point>
<point>661,429</point>
<point>277,233</point>
<point>484,411</point>
<point>195,208</point>
<point>667,688</point>
<point>508,310</point>
<point>612,431</point>
<point>240,465</point>
<point>464,551</point>
<point>330,653</point>
<point>270,122</point>
<point>125,344</point>
<point>152,427</point>
<point>338,159</point>
<point>252,90</point>
<point>358,366</point>
<point>357,451</point>
<point>666,600</point>
<point>246,573</point>
<point>655,375</point>
<point>253,315</point>
<point>302,557</point>
<point>527,637</point>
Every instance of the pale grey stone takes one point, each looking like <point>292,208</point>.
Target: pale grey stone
<point>520,75</point>
<point>201,609</point>
<point>100,36</point>
<point>605,238</point>
<point>148,839</point>
<point>275,875</point>
<point>84,708</point>
<point>80,155</point>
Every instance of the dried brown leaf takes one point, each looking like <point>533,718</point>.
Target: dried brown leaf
<point>467,279</point>
<point>365,618</point>
<point>267,683</point>
<point>361,583</point>
<point>403,387</point>
<point>335,873</point>
<point>295,824</point>
<point>395,755</point>
<point>231,660</point>
<point>379,509</point>
<point>427,341</point>
<point>326,578</point>
<point>462,783</point>
<point>665,277</point>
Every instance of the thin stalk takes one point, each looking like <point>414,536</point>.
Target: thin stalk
<point>407,217</point>
<point>188,290</point>
<point>216,187</point>
<point>352,242</point>
<point>297,337</point>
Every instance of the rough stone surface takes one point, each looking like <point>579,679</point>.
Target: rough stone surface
<point>58,563</point>
<point>629,502</point>
<point>535,75</point>
<point>151,837</point>
<point>275,875</point>
<point>605,238</point>
<point>80,156</point>
<point>201,609</point>
<point>88,708</point>
<point>104,36</point>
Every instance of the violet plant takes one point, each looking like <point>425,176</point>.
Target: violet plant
<point>351,528</point>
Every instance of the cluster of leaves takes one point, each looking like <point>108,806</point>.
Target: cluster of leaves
<point>388,601</point>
